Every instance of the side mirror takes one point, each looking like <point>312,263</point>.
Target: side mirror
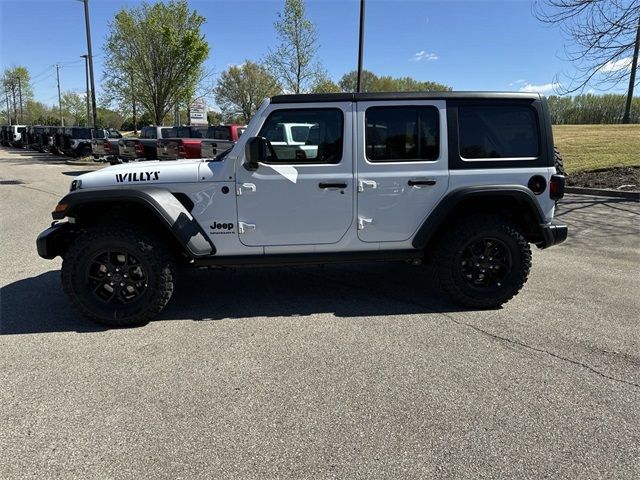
<point>255,152</point>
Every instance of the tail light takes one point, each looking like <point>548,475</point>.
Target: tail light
<point>556,187</point>
<point>139,148</point>
<point>107,146</point>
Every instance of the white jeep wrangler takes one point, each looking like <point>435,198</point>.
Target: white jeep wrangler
<point>461,181</point>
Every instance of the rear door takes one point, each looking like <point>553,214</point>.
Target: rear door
<point>297,197</point>
<point>402,169</point>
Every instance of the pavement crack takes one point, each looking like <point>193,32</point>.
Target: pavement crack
<point>39,190</point>
<point>541,350</point>
<point>489,334</point>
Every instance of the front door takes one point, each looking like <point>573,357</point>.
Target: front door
<point>304,193</point>
<point>402,167</point>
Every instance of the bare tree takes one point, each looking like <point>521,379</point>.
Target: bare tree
<point>606,38</point>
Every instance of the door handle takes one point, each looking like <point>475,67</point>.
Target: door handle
<point>332,185</point>
<point>362,184</point>
<point>421,183</point>
<point>243,227</point>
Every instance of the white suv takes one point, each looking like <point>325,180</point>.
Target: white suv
<point>463,182</point>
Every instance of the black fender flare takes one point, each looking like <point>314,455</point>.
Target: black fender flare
<point>522,196</point>
<point>161,202</point>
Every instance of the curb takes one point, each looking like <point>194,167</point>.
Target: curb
<point>602,192</point>
<point>86,162</point>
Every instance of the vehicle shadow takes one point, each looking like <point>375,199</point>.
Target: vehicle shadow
<point>38,305</point>
<point>594,221</point>
<point>77,173</point>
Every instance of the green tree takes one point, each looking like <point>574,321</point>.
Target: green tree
<point>293,63</point>
<point>74,108</point>
<point>108,118</point>
<point>154,56</point>
<point>37,113</point>
<point>372,83</point>
<point>325,85</point>
<point>241,89</point>
<point>349,81</point>
<point>17,88</point>
<point>592,109</point>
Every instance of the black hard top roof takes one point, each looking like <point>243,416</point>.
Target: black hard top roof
<point>354,97</point>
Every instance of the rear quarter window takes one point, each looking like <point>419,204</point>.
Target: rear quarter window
<point>495,132</point>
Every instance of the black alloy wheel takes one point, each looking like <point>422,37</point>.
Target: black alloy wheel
<point>116,277</point>
<point>485,263</point>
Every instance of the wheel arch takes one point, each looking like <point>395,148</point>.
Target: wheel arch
<point>151,207</point>
<point>515,202</point>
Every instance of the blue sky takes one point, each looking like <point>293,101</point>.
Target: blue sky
<point>469,45</point>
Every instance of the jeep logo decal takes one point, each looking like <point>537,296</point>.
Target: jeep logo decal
<point>221,227</point>
<point>137,177</point>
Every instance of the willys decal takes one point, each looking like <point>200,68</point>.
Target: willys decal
<point>137,177</point>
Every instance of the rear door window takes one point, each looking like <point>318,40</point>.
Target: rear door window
<point>502,131</point>
<point>402,134</point>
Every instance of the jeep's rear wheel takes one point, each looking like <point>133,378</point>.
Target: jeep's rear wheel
<point>482,262</point>
<point>118,276</point>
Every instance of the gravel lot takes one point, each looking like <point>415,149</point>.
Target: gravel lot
<point>335,372</point>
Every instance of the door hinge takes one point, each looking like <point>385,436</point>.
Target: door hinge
<point>246,188</point>
<point>363,222</point>
<point>244,227</point>
<point>362,184</point>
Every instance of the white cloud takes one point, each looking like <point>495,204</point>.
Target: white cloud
<point>543,88</point>
<point>518,82</point>
<point>423,55</point>
<point>615,65</point>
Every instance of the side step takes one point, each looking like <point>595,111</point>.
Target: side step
<point>415,256</point>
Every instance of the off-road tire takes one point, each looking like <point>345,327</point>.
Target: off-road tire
<point>448,267</point>
<point>557,162</point>
<point>153,257</point>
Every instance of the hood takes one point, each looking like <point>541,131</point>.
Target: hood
<point>142,173</point>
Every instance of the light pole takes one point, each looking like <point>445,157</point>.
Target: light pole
<point>360,47</point>
<point>90,56</point>
<point>86,71</point>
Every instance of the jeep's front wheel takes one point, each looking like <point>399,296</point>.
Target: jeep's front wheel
<point>118,276</point>
<point>482,262</point>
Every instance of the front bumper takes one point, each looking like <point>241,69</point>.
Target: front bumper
<point>553,233</point>
<point>54,240</point>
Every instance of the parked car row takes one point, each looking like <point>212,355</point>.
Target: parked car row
<point>70,141</point>
<point>154,143</point>
<point>172,143</point>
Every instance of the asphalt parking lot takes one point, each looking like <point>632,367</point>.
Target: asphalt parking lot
<point>335,372</point>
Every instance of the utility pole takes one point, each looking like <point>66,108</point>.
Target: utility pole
<point>360,47</point>
<point>59,96</point>
<point>86,71</point>
<point>93,86</point>
<point>20,94</point>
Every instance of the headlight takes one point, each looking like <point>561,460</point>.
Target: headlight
<point>76,185</point>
